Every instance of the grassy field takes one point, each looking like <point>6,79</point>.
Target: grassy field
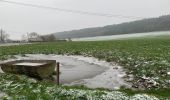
<point>148,59</point>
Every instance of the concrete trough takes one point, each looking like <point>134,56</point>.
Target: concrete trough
<point>40,69</point>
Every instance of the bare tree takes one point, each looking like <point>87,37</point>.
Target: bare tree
<point>51,37</point>
<point>24,38</point>
<point>34,37</point>
<point>48,38</point>
<point>3,36</point>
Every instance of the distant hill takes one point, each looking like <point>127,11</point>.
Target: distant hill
<point>146,25</point>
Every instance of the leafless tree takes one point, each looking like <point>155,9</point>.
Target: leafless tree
<point>47,38</point>
<point>33,35</point>
<point>24,37</point>
<point>3,36</point>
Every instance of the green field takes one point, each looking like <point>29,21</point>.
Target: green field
<point>143,57</point>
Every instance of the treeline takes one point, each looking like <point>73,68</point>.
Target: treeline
<point>146,25</point>
<point>35,37</point>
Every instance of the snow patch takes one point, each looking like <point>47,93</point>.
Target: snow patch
<point>29,64</point>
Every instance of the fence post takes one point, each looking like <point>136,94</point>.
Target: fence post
<point>58,73</point>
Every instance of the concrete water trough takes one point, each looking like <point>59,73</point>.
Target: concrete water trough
<point>39,69</point>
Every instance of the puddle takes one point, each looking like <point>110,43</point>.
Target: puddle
<point>88,71</point>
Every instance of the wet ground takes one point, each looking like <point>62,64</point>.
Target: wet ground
<point>88,71</point>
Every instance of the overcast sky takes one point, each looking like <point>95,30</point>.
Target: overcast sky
<point>17,20</point>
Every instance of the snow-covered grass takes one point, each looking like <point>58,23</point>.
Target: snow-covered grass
<point>29,64</point>
<point>24,88</point>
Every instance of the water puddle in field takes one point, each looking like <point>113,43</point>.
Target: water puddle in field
<point>88,71</point>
